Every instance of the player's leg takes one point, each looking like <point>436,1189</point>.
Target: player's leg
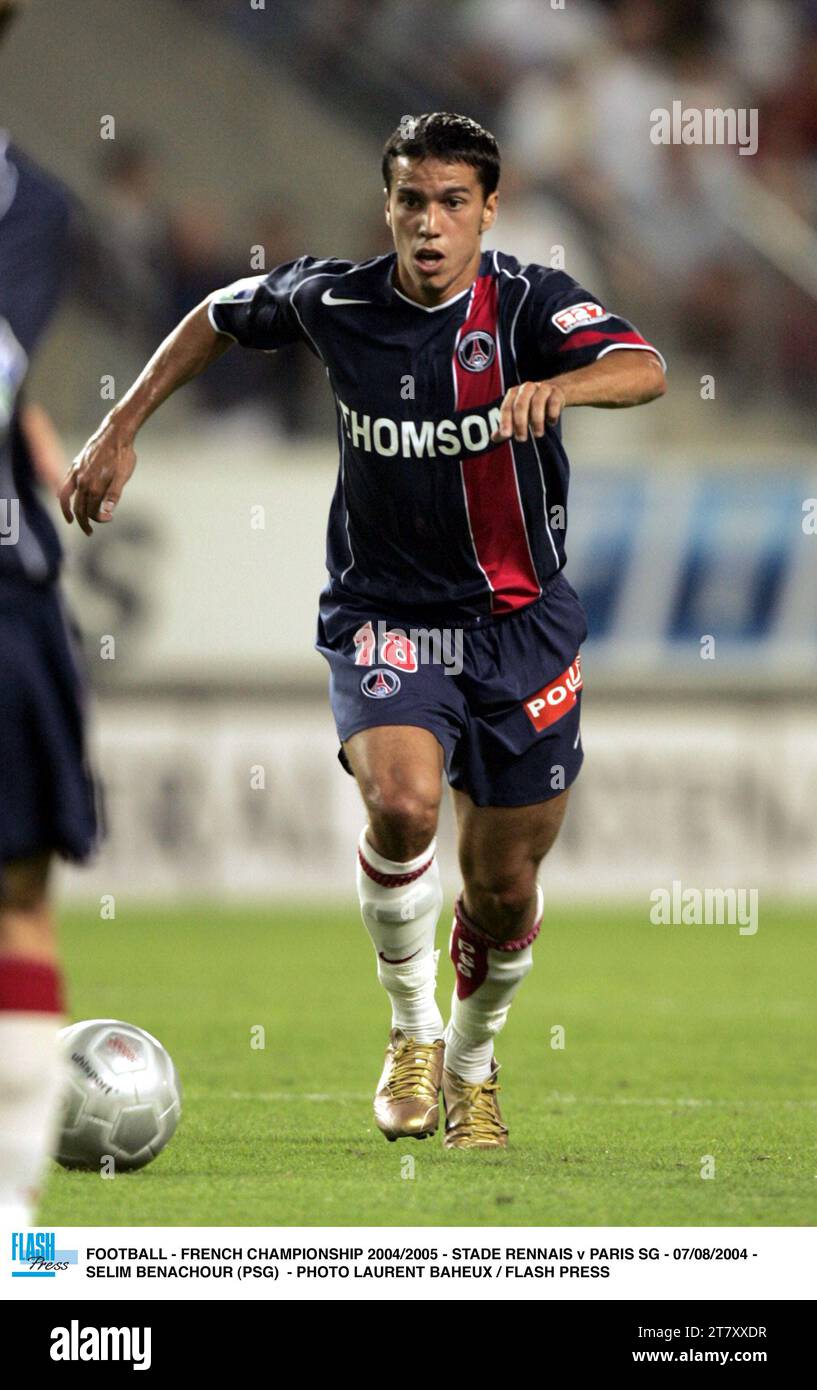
<point>520,752</point>
<point>398,722</point>
<point>46,808</point>
<point>496,921</point>
<point>30,1016</point>
<point>398,769</point>
<point>500,849</point>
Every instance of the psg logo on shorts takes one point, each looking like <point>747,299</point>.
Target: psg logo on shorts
<point>379,684</point>
<point>476,351</point>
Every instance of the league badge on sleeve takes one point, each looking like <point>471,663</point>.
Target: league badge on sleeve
<point>577,314</point>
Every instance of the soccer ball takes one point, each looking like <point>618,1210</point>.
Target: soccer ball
<point>121,1095</point>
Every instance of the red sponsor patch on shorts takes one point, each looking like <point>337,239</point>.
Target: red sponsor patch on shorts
<point>556,699</point>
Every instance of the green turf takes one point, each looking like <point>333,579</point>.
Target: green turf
<point>681,1042</point>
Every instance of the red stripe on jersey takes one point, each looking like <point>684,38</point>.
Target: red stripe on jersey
<point>578,340</point>
<point>491,487</point>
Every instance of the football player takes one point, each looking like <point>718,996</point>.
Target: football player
<point>47,804</point>
<point>450,629</point>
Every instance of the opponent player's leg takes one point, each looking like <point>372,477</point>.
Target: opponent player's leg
<point>30,1016</point>
<point>398,769</point>
<point>497,919</point>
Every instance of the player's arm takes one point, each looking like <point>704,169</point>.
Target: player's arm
<point>618,379</point>
<point>44,445</point>
<point>105,463</point>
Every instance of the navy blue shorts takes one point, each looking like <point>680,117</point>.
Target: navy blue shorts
<point>502,695</point>
<point>47,799</point>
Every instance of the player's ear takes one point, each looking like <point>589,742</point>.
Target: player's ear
<point>489,211</point>
<point>387,209</point>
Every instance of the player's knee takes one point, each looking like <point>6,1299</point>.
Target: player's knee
<point>403,818</point>
<point>501,904</point>
<point>28,934</point>
<point>24,885</point>
<point>26,922</point>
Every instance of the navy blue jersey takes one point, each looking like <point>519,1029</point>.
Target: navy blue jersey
<point>34,227</point>
<point>427,513</point>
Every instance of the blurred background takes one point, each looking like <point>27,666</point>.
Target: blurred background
<point>206,140</point>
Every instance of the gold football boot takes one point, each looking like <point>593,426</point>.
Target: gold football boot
<point>407,1100</point>
<point>472,1118</point>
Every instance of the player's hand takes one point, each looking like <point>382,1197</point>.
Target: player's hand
<point>94,482</point>
<point>530,406</point>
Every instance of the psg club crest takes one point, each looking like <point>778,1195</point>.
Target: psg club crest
<point>476,351</point>
<point>380,683</point>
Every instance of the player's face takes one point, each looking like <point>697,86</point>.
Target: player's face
<point>437,213</point>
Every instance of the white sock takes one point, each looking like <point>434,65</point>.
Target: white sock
<point>488,976</point>
<point>30,1080</point>
<point>29,1095</point>
<point>400,904</point>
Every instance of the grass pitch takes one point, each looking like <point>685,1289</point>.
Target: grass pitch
<point>681,1042</point>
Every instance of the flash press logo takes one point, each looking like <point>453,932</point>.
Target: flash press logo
<point>75,1343</point>
<point>34,1255</point>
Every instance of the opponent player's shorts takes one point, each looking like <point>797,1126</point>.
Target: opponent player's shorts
<point>47,795</point>
<point>502,695</point>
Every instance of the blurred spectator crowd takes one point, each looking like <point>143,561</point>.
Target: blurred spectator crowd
<point>567,87</point>
<point>667,233</point>
<point>140,265</point>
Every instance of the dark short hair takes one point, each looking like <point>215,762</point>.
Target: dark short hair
<point>444,135</point>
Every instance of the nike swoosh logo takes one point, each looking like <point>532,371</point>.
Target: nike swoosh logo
<point>328,298</point>
<point>402,959</point>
